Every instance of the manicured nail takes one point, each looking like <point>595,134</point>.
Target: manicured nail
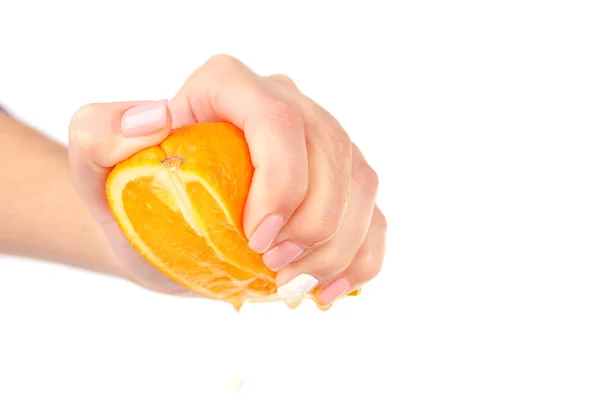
<point>334,291</point>
<point>281,255</point>
<point>144,119</point>
<point>266,232</point>
<point>301,284</point>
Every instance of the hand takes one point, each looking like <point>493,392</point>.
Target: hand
<point>311,208</point>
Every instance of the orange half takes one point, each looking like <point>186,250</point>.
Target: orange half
<point>180,204</point>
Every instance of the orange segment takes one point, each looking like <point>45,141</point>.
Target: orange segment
<point>180,204</point>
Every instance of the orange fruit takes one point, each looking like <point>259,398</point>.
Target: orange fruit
<point>180,204</point>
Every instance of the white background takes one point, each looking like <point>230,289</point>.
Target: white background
<point>482,119</point>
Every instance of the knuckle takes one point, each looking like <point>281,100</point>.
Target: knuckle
<point>79,134</point>
<point>313,111</point>
<point>379,219</point>
<point>372,271</point>
<point>221,70</point>
<point>222,61</point>
<point>367,179</point>
<point>384,223</point>
<point>371,266</point>
<point>284,79</point>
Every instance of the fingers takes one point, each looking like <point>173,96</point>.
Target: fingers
<point>319,216</point>
<point>334,257</point>
<point>225,89</point>
<point>312,195</point>
<point>366,264</point>
<point>103,134</point>
<point>282,79</point>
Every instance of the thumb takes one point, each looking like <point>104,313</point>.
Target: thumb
<point>100,136</point>
<point>103,134</point>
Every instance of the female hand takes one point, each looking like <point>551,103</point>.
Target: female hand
<point>311,209</point>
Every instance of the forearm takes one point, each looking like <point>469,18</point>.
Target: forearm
<point>41,216</point>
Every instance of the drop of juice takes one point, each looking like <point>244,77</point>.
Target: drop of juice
<point>236,383</point>
<point>235,380</point>
<point>294,300</point>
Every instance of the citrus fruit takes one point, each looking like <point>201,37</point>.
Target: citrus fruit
<point>180,204</point>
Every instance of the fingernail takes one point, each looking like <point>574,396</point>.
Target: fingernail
<point>266,232</point>
<point>144,119</point>
<point>301,284</point>
<point>334,291</point>
<point>281,255</point>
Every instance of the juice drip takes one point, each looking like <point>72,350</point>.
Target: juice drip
<point>235,377</point>
<point>236,383</point>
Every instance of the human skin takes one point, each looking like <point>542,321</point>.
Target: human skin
<point>311,210</point>
<point>42,216</point>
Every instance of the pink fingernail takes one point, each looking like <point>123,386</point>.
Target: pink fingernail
<point>281,255</point>
<point>334,291</point>
<point>266,232</point>
<point>144,119</point>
